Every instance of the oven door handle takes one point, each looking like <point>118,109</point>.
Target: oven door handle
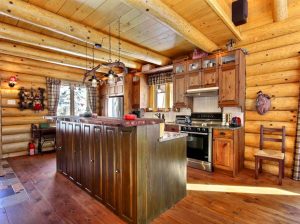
<point>194,133</point>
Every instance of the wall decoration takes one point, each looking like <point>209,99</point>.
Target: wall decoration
<point>32,99</point>
<point>263,103</point>
<point>12,81</point>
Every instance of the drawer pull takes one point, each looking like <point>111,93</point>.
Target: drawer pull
<point>117,171</point>
<point>222,133</point>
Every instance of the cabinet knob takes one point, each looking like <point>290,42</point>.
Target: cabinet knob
<point>117,171</point>
<point>92,160</point>
<point>59,148</point>
<point>222,133</point>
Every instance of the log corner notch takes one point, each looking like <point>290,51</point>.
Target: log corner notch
<point>280,10</point>
<point>169,17</point>
<point>42,18</point>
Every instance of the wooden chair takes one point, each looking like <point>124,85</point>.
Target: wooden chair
<point>267,154</point>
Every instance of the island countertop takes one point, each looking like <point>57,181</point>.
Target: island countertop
<point>100,120</point>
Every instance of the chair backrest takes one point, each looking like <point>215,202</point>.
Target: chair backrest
<point>272,131</point>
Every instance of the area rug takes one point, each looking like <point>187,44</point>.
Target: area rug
<point>12,191</point>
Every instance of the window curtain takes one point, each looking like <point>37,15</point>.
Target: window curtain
<point>53,91</point>
<point>296,166</point>
<point>157,79</point>
<point>92,98</point>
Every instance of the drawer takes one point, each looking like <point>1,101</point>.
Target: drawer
<point>172,127</point>
<point>222,133</point>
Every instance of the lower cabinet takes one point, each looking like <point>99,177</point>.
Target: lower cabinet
<point>101,160</point>
<point>228,151</point>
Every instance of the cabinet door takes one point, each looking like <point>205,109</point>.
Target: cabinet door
<point>77,151</point>
<point>193,80</point>
<point>58,146</point>
<point>228,85</point>
<point>98,164</point>
<point>179,90</point>
<point>223,153</point>
<point>209,78</point>
<point>127,177</point>
<point>64,145</point>
<point>87,157</point>
<point>136,94</point>
<point>70,151</point>
<point>179,68</point>
<point>110,172</point>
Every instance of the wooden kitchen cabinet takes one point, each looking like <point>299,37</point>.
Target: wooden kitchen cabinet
<point>209,78</point>
<point>228,150</point>
<point>140,92</point>
<point>193,80</point>
<point>232,79</point>
<point>179,67</point>
<point>180,86</point>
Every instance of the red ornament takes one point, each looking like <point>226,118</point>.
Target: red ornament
<point>12,81</point>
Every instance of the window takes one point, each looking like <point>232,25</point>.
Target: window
<point>163,96</point>
<point>73,100</point>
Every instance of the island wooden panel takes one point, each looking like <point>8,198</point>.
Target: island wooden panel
<point>125,168</point>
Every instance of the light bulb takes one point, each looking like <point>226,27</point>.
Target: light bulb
<point>94,82</point>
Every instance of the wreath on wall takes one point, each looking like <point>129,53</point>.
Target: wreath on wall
<point>32,99</point>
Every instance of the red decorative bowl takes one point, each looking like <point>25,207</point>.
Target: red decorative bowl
<point>129,116</point>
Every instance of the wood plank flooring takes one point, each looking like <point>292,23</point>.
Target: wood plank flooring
<point>54,199</point>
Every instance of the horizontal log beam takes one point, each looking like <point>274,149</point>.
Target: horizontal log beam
<point>254,126</point>
<point>19,84</point>
<point>13,103</point>
<point>33,70</point>
<point>274,66</point>
<point>15,147</point>
<point>166,15</point>
<point>276,42</point>
<point>40,64</point>
<point>9,32</point>
<point>273,78</point>
<point>14,94</point>
<point>278,90</point>
<point>22,120</point>
<point>16,138</point>
<point>278,103</point>
<point>217,8</point>
<point>46,56</point>
<point>16,129</point>
<point>252,140</point>
<point>37,16</point>
<point>4,75</point>
<point>16,112</point>
<point>14,154</point>
<point>274,116</point>
<point>273,54</point>
<point>269,31</point>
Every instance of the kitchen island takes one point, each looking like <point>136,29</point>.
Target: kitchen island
<point>126,165</point>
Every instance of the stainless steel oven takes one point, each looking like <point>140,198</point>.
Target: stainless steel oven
<point>199,147</point>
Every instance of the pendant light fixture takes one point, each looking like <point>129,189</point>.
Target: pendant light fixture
<point>111,74</point>
<point>94,80</point>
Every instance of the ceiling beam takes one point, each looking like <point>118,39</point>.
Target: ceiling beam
<point>46,56</point>
<point>217,8</point>
<point>31,38</point>
<point>280,10</point>
<point>42,18</point>
<point>166,15</point>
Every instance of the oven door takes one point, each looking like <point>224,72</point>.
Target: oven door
<point>199,151</point>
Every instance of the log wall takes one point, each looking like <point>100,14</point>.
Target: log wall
<point>16,124</point>
<point>272,66</point>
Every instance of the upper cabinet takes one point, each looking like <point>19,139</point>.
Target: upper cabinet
<point>232,79</point>
<point>193,76</point>
<point>179,68</point>
<point>209,74</point>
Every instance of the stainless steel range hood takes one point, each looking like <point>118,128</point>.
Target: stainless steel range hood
<point>201,92</point>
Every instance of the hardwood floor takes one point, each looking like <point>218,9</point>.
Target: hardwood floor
<point>213,198</point>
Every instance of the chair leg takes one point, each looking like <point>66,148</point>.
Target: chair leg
<point>282,169</point>
<point>280,173</point>
<point>260,165</point>
<point>256,167</point>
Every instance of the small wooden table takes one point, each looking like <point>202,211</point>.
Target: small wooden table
<point>43,135</point>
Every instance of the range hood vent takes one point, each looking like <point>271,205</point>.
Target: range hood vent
<point>201,92</point>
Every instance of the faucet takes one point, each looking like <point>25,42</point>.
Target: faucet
<point>158,115</point>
